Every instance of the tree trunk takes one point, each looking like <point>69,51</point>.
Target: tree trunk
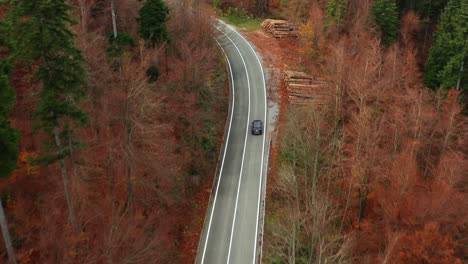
<point>167,64</point>
<point>316,159</point>
<point>66,185</point>
<point>262,7</point>
<point>128,158</point>
<point>6,236</point>
<point>84,15</point>
<point>459,79</point>
<point>114,23</point>
<point>362,204</point>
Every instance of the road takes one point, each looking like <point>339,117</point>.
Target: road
<point>231,228</point>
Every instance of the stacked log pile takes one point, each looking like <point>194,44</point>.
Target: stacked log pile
<point>304,89</point>
<point>280,28</point>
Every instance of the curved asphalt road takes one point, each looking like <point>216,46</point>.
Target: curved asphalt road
<point>231,226</point>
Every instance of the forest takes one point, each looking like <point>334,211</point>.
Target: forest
<point>108,129</point>
<point>112,113</point>
<point>376,173</point>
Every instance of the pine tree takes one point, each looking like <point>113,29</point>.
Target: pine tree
<point>336,11</point>
<point>450,48</point>
<point>430,8</point>
<point>8,143</point>
<point>152,20</point>
<point>8,136</point>
<point>425,8</point>
<point>41,35</point>
<point>385,15</point>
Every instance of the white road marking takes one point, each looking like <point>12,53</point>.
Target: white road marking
<point>243,153</point>
<point>224,155</point>
<point>264,135</point>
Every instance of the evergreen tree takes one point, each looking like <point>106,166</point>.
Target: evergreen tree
<point>385,15</point>
<point>44,38</point>
<point>426,8</point>
<point>8,136</point>
<point>336,11</point>
<point>40,34</point>
<point>430,8</point>
<point>152,21</point>
<point>450,47</point>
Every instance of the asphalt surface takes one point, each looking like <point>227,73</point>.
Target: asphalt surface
<point>230,232</point>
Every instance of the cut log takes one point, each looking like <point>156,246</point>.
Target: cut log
<point>280,28</point>
<point>305,89</point>
<point>300,85</point>
<point>298,75</point>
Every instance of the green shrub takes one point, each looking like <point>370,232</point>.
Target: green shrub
<point>122,40</point>
<point>153,73</point>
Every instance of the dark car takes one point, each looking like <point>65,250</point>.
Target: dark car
<point>257,127</point>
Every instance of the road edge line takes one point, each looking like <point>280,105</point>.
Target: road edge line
<point>243,152</point>
<point>263,150</point>
<point>226,141</point>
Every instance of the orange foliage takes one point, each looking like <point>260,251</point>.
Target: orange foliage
<point>404,147</point>
<point>161,158</point>
<point>27,158</point>
<point>426,246</point>
<point>312,43</point>
<point>311,37</point>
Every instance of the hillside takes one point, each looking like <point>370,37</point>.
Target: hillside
<point>112,115</point>
<point>372,169</point>
<point>139,169</point>
<point>374,172</point>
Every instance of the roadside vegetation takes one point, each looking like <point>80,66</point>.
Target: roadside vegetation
<point>375,175</point>
<point>240,18</point>
<point>115,129</point>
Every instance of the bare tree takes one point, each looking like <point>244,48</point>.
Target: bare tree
<point>303,232</point>
<point>137,108</point>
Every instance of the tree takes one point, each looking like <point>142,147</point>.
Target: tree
<point>262,7</point>
<point>152,20</point>
<point>114,23</point>
<point>425,8</point>
<point>8,136</point>
<point>385,14</point>
<point>430,8</point>
<point>6,235</point>
<point>41,35</point>
<point>449,51</point>
<point>427,246</point>
<point>8,145</point>
<point>336,10</point>
<point>301,229</point>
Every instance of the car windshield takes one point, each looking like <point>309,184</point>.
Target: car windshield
<point>257,123</point>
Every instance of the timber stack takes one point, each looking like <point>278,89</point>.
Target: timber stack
<point>280,28</point>
<point>304,89</point>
